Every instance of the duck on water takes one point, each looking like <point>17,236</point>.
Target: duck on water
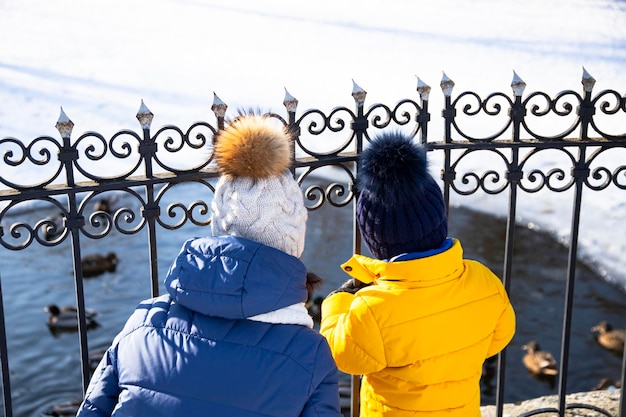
<point>96,264</point>
<point>65,319</point>
<point>609,338</point>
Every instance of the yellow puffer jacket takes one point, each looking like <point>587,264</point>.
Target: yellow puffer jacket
<point>420,334</point>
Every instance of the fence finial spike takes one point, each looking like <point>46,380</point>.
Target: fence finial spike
<point>216,100</point>
<point>588,81</point>
<point>423,89</point>
<point>218,107</point>
<point>62,116</point>
<point>144,115</point>
<point>143,108</point>
<point>290,102</point>
<point>446,85</point>
<point>358,93</point>
<point>64,125</point>
<point>518,85</point>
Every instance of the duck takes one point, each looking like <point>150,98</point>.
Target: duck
<point>69,408</point>
<point>607,384</point>
<point>609,338</point>
<point>96,264</point>
<point>66,318</point>
<point>537,361</point>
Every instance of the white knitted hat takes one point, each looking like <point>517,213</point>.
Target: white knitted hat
<point>256,196</point>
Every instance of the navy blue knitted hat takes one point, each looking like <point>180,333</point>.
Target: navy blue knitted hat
<point>400,207</point>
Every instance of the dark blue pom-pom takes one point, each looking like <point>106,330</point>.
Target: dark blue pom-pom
<point>392,168</point>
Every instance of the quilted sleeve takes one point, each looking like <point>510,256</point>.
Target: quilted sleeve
<point>353,334</point>
<point>324,399</point>
<point>103,390</point>
<point>505,327</point>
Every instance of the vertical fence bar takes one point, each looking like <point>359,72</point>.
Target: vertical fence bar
<point>147,150</point>
<point>293,128</point>
<point>579,172</point>
<point>622,402</point>
<point>423,117</point>
<point>68,155</point>
<point>514,176</point>
<point>359,127</point>
<point>586,110</point>
<point>74,222</point>
<point>448,113</point>
<point>291,105</point>
<point>4,358</point>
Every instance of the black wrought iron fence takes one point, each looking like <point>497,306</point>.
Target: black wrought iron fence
<point>71,174</point>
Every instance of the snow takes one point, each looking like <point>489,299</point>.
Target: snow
<point>101,61</point>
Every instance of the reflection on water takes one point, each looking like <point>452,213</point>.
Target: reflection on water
<point>45,368</point>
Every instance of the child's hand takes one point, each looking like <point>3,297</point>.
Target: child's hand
<point>352,286</point>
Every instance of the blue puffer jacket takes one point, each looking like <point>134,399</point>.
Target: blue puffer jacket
<point>195,352</point>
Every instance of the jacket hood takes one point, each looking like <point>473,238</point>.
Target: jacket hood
<point>235,278</point>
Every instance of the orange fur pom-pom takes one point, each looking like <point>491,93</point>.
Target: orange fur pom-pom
<point>253,146</point>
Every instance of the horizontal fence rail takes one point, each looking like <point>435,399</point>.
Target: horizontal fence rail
<point>71,174</point>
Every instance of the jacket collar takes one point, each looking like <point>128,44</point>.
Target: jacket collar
<point>418,272</point>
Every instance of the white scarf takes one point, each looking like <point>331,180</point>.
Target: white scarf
<point>293,314</point>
